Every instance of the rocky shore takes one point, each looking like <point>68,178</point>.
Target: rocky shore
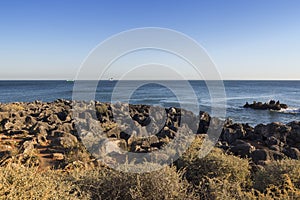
<point>49,134</point>
<point>271,105</point>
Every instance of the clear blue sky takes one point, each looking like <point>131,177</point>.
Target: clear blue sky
<point>254,39</point>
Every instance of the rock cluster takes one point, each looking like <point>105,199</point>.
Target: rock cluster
<point>57,133</point>
<point>39,133</point>
<point>271,105</point>
<point>136,128</point>
<point>262,143</point>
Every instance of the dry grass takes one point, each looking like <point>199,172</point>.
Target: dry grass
<point>274,173</point>
<point>20,182</point>
<point>216,176</point>
<point>166,183</point>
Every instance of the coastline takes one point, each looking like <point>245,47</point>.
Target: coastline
<point>48,131</point>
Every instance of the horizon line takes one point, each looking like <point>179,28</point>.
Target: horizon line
<point>73,80</point>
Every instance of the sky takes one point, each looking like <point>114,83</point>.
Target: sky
<point>254,39</point>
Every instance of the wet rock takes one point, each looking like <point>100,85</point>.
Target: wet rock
<point>266,106</point>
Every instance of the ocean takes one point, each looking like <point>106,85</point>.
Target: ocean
<point>237,94</point>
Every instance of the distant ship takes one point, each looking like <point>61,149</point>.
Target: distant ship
<point>111,79</point>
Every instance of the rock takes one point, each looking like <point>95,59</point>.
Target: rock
<point>266,106</point>
<point>276,155</point>
<point>65,127</point>
<point>271,141</point>
<point>294,134</point>
<point>58,156</point>
<point>145,144</point>
<point>292,152</point>
<point>204,122</point>
<point>242,149</point>
<point>260,155</point>
<point>6,124</point>
<point>154,141</point>
<point>42,138</point>
<point>275,148</point>
<point>29,120</point>
<point>123,144</point>
<point>4,115</point>
<point>68,141</point>
<point>39,124</point>
<point>283,106</point>
<point>232,133</point>
<point>29,149</point>
<point>124,135</point>
<point>275,129</point>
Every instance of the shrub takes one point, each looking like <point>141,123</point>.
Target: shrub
<point>276,172</point>
<point>20,182</point>
<point>216,164</point>
<point>110,184</point>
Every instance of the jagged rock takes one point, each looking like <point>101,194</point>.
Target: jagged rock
<point>50,126</point>
<point>232,133</point>
<point>266,106</point>
<point>275,129</point>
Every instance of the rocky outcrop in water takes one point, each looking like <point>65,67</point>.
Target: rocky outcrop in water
<point>271,105</point>
<point>51,134</point>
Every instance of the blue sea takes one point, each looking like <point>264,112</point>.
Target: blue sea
<point>237,93</point>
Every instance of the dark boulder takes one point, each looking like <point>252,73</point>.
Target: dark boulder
<point>260,155</point>
<point>271,105</point>
<point>242,149</point>
<point>292,152</point>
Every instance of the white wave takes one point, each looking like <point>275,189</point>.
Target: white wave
<point>290,110</point>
